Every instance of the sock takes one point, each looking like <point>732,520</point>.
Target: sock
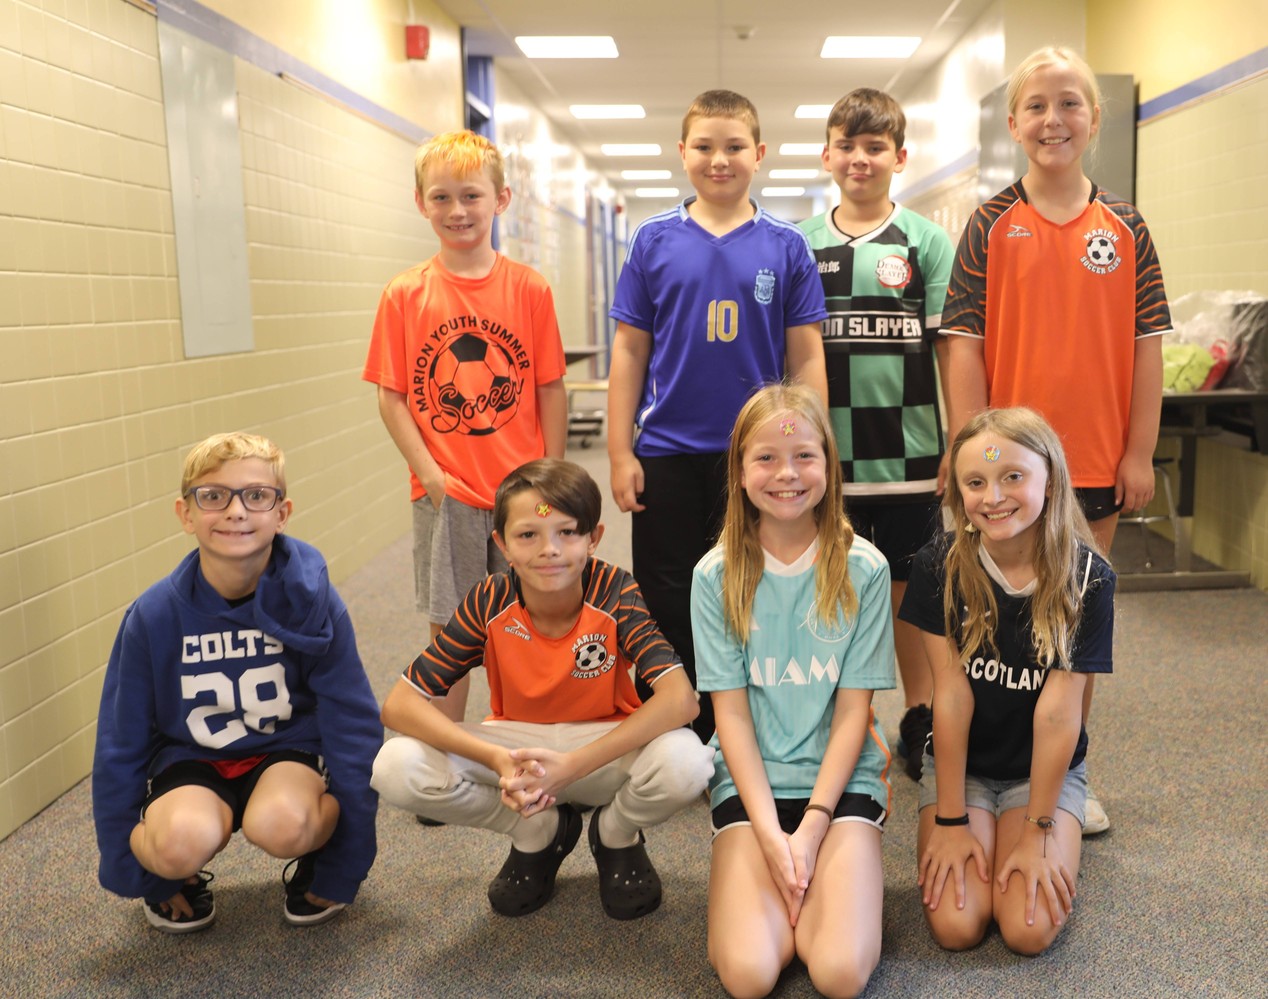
<point>534,834</point>
<point>612,835</point>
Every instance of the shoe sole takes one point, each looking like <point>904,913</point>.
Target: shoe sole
<point>165,925</point>
<point>316,918</point>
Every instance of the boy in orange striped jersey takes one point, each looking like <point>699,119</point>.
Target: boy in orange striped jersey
<point>557,634</point>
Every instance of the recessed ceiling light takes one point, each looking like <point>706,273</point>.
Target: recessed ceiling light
<point>800,148</point>
<point>630,149</point>
<point>645,174</point>
<point>793,174</point>
<point>655,192</point>
<point>567,46</point>
<point>607,112</point>
<point>812,110</point>
<point>783,192</point>
<point>868,46</point>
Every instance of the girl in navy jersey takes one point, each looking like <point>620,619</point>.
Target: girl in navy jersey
<point>1056,284</point>
<point>1016,609</point>
<point>793,634</point>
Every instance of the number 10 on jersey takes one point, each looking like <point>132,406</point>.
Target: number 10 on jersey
<point>724,320</point>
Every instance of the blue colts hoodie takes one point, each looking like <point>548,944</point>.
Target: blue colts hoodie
<point>192,678</point>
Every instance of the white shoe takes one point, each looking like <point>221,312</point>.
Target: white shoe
<point>1094,818</point>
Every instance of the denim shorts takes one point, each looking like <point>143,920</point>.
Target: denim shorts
<point>999,796</point>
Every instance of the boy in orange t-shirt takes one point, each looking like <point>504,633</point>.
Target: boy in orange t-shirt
<point>558,635</point>
<point>468,359</point>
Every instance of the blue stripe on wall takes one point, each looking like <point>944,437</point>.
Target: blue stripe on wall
<point>1228,76</point>
<point>192,17</point>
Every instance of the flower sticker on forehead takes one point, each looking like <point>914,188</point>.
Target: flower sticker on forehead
<point>788,427</point>
<point>542,509</point>
<point>991,453</point>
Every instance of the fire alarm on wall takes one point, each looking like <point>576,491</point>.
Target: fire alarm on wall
<point>417,41</point>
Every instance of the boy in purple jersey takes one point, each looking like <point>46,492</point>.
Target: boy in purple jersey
<point>235,699</point>
<point>716,299</point>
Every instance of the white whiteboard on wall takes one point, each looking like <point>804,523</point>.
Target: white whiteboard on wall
<point>204,151</point>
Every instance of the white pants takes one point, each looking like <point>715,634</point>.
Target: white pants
<point>644,787</point>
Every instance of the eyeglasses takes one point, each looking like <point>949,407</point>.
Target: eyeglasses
<point>257,499</point>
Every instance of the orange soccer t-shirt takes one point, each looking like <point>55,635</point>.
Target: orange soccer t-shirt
<point>1059,308</point>
<point>579,677</point>
<point>468,354</point>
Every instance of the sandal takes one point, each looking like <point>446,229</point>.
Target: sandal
<point>527,880</point>
<point>629,886</point>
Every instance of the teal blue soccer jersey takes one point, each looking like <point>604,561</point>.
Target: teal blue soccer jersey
<point>792,666</point>
<point>884,291</point>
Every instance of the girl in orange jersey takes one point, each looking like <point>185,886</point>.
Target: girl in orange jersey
<point>1056,302</point>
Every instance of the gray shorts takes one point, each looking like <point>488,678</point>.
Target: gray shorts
<point>999,796</point>
<point>453,551</point>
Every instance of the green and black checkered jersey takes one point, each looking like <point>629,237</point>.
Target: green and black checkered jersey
<point>884,293</point>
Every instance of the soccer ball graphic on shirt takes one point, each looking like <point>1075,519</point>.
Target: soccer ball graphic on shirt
<point>473,386</point>
<point>1101,251</point>
<point>591,657</point>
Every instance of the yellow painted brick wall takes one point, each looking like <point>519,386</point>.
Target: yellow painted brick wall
<point>98,404</point>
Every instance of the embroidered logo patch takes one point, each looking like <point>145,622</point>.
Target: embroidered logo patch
<point>764,288</point>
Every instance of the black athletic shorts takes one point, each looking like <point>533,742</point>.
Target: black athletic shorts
<point>233,791</point>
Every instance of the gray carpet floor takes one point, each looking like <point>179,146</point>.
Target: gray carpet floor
<point>1172,900</point>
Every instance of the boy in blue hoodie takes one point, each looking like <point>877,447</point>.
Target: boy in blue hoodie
<point>235,699</point>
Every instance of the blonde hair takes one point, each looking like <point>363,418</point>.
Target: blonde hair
<point>217,449</point>
<point>743,557</point>
<point>723,104</point>
<point>1047,56</point>
<point>1056,604</point>
<point>465,153</point>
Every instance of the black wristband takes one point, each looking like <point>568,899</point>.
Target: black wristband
<point>963,820</point>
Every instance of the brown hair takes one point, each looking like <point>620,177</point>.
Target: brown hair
<point>722,104</point>
<point>743,559</point>
<point>868,112</point>
<point>465,153</point>
<point>1056,603</point>
<point>566,486</point>
<point>210,454</point>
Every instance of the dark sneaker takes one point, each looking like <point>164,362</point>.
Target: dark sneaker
<point>527,880</point>
<point>629,886</point>
<point>297,909</point>
<point>913,737</point>
<point>200,899</point>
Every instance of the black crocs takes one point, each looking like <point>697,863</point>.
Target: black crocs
<point>629,886</point>
<point>527,880</point>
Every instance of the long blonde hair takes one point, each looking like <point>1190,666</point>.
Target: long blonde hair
<point>743,557</point>
<point>1056,603</point>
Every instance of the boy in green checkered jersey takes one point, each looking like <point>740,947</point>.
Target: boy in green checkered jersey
<point>885,271</point>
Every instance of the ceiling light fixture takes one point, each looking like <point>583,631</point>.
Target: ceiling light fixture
<point>630,149</point>
<point>567,46</point>
<point>819,111</point>
<point>793,174</point>
<point>869,46</point>
<point>655,192</point>
<point>607,112</point>
<point>783,192</point>
<point>645,174</point>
